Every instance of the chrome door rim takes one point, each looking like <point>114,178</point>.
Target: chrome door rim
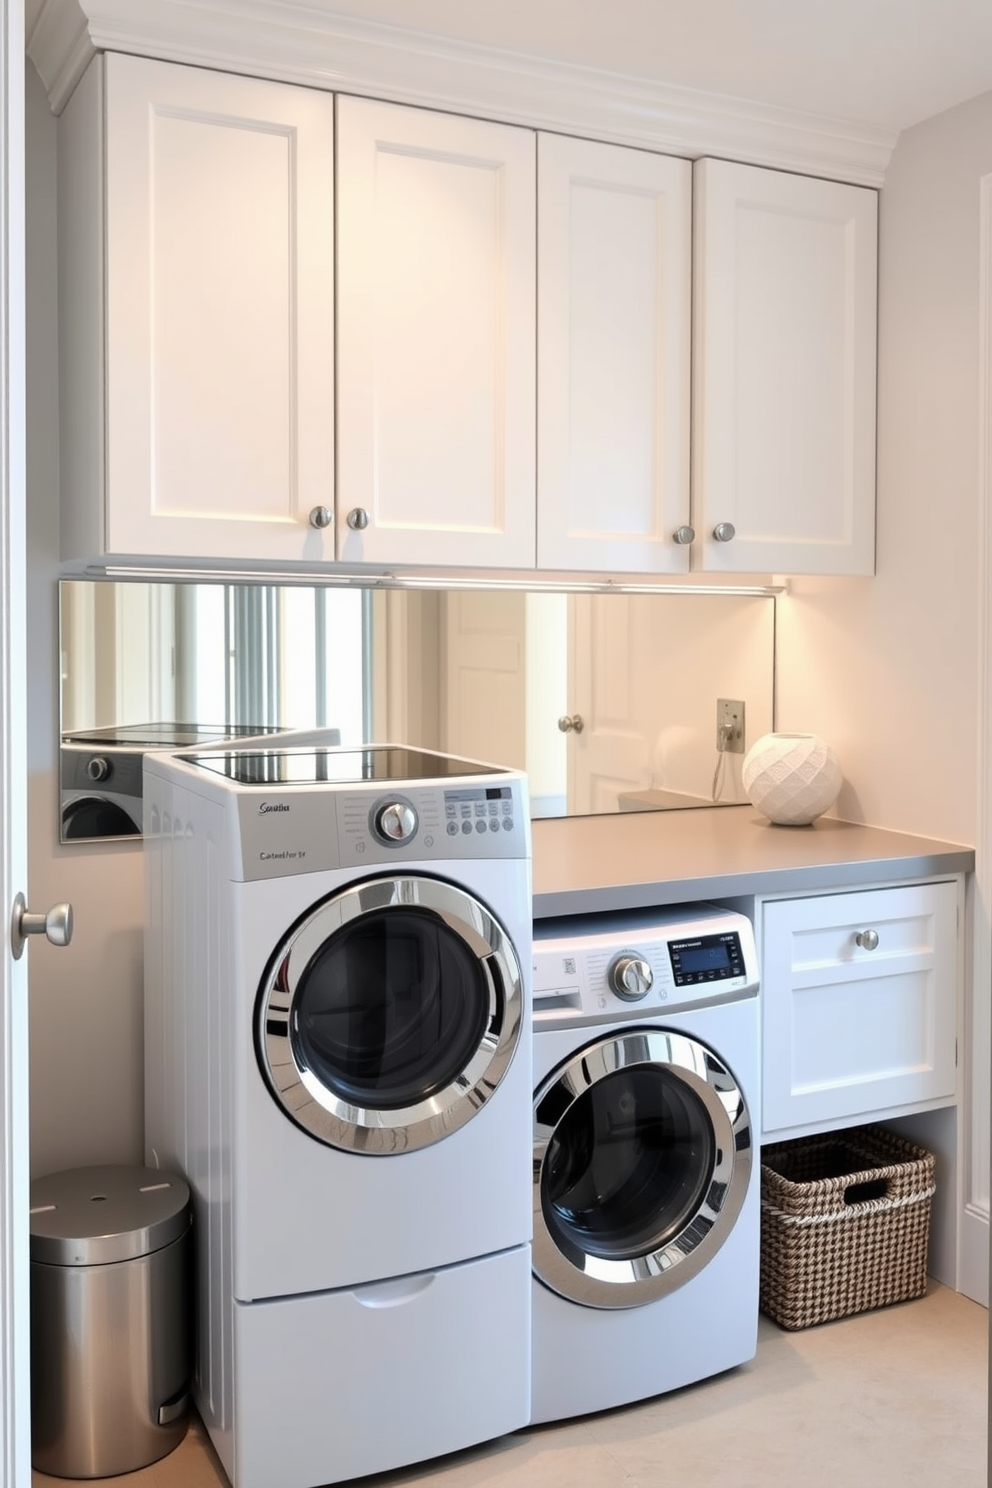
<point>597,1281</point>
<point>368,1129</point>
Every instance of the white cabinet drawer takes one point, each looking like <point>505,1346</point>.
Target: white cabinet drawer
<point>858,1028</point>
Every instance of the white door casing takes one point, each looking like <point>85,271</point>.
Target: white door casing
<point>15,1424</point>
<point>974,1260</point>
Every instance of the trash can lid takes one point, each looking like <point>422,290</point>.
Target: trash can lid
<point>92,1216</point>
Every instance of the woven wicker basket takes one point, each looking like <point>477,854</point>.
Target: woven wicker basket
<point>845,1221</point>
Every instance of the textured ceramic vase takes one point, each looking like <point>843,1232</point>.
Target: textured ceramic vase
<point>791,778</point>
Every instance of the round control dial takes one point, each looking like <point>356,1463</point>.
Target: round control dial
<point>396,821</point>
<point>97,768</point>
<point>630,977</point>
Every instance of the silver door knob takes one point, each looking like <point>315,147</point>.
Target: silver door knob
<point>866,939</point>
<point>724,532</point>
<point>358,519</point>
<point>571,724</point>
<point>684,534</point>
<point>631,978</point>
<point>321,517</point>
<point>56,925</point>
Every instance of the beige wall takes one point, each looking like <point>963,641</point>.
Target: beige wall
<point>86,1008</point>
<point>885,668</point>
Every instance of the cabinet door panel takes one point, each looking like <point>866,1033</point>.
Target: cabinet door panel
<point>784,371</point>
<point>436,337</point>
<point>614,245</point>
<point>850,1032</point>
<point>219,313</point>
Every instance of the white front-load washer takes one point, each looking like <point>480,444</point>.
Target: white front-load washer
<point>338,1058</point>
<point>645,1173</point>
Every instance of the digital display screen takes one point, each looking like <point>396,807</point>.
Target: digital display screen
<point>703,957</point>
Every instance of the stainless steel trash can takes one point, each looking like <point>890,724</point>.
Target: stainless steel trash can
<point>110,1319</point>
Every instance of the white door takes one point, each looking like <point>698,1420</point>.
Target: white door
<point>435,315</point>
<point>483,644</point>
<point>614,249</point>
<point>15,1424</point>
<point>784,289</point>
<point>609,751</point>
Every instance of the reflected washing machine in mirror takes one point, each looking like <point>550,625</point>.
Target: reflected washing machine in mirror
<point>645,1168</point>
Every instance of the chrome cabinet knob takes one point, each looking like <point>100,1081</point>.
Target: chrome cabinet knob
<point>866,939</point>
<point>571,723</point>
<point>321,517</point>
<point>630,977</point>
<point>358,519</point>
<point>56,925</point>
<point>684,534</point>
<point>724,532</point>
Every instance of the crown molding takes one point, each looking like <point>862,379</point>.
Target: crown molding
<point>300,41</point>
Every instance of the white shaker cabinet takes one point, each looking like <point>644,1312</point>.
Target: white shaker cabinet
<point>196,293</point>
<point>859,995</point>
<point>784,336</point>
<point>614,288</point>
<point>436,328</point>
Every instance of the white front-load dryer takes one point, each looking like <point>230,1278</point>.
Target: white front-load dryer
<point>645,1169</point>
<point>338,1058</point>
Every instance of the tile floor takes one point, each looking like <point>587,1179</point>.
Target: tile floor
<point>890,1399</point>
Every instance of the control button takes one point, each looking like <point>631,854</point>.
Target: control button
<point>630,977</point>
<point>507,824</point>
<point>466,827</point>
<point>396,822</point>
<point>493,825</point>
<point>494,808</point>
<point>480,808</point>
<point>452,829</point>
<point>507,807</point>
<point>428,841</point>
<point>480,826</point>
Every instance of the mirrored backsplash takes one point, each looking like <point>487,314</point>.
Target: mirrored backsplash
<point>608,701</point>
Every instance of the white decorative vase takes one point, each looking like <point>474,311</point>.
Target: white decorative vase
<point>791,778</point>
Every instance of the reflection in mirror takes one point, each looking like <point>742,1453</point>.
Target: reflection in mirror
<point>608,701</point>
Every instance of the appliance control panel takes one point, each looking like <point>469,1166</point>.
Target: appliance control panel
<point>306,829</point>
<point>636,963</point>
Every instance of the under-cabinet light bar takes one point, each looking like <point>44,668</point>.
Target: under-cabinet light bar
<point>131,573</point>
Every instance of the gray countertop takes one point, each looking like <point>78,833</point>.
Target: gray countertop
<point>638,859</point>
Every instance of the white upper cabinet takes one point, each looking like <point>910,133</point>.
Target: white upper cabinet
<point>784,342</point>
<point>436,335</point>
<point>196,289</point>
<point>614,252</point>
<point>406,339</point>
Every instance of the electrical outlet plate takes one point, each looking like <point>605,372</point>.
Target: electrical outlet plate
<point>729,726</point>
